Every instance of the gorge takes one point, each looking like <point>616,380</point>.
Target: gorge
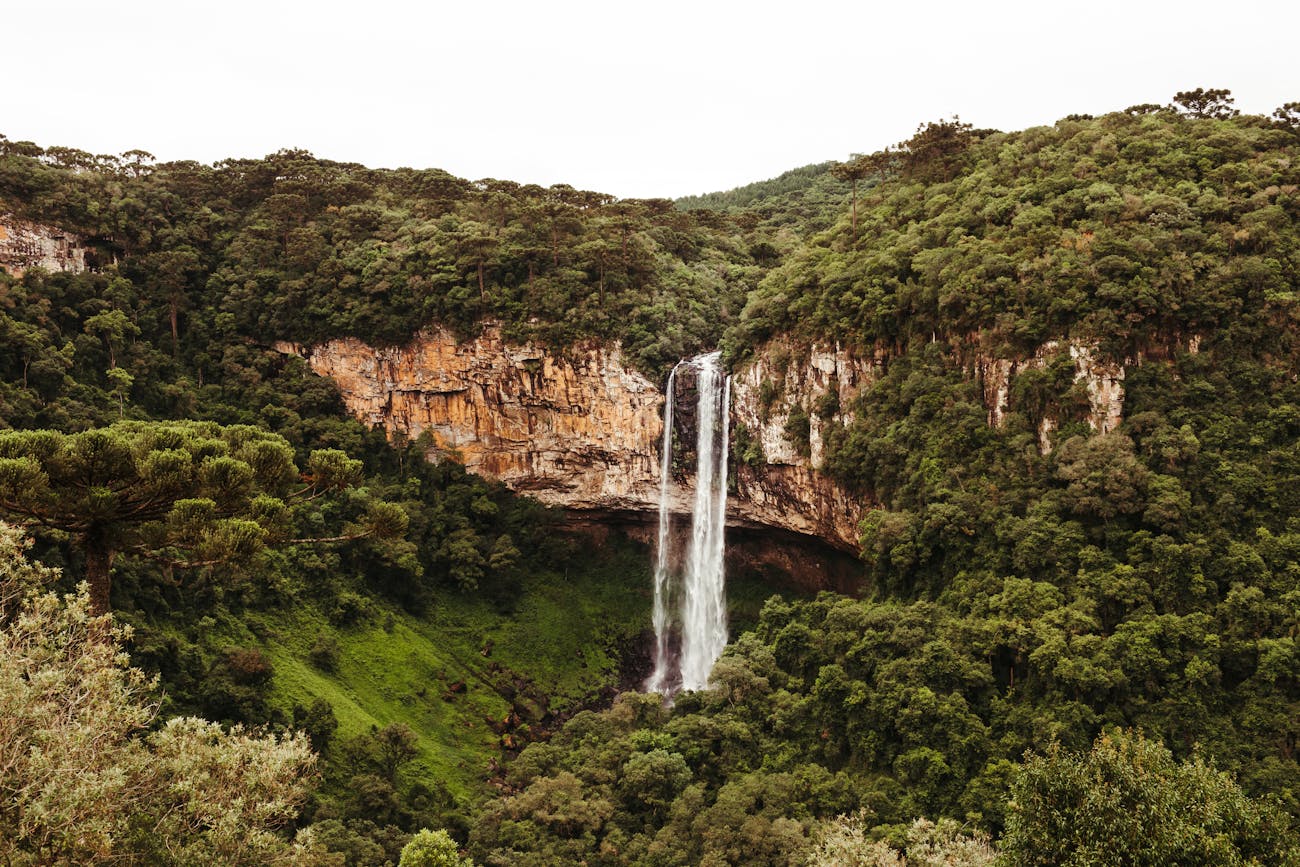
<point>582,430</point>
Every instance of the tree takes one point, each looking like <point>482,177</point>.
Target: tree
<point>186,494</point>
<point>477,244</point>
<point>1288,115</point>
<point>112,327</point>
<point>1212,103</point>
<point>846,841</point>
<point>81,780</point>
<point>1128,802</point>
<point>170,273</point>
<point>433,849</point>
<point>938,150</point>
<point>853,171</point>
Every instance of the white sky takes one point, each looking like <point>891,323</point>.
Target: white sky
<point>630,98</point>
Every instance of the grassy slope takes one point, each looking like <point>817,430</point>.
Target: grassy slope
<point>562,643</point>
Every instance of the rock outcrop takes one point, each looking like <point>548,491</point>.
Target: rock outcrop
<point>1103,380</point>
<point>582,430</point>
<point>579,429</point>
<point>25,245</point>
<point>786,398</point>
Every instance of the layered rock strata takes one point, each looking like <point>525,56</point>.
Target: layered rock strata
<point>25,245</point>
<point>578,429</point>
<point>581,429</point>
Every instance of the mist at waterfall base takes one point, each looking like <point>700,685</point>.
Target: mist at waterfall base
<point>699,587</point>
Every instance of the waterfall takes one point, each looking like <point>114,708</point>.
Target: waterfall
<point>659,680</point>
<point>703,613</point>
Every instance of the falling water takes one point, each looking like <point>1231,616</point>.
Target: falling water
<point>658,681</point>
<point>703,600</point>
<point>704,613</point>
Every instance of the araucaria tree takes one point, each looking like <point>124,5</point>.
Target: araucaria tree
<point>187,494</point>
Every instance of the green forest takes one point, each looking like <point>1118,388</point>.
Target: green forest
<point>253,630</point>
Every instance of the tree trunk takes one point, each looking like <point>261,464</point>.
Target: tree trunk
<point>99,563</point>
<point>855,210</point>
<point>482,293</point>
<point>175,315</point>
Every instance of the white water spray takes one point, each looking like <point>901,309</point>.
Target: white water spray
<point>659,680</point>
<point>703,600</point>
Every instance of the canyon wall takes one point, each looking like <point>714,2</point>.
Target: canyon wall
<point>581,429</point>
<point>578,429</point>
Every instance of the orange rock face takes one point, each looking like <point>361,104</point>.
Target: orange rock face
<point>25,245</point>
<point>578,429</point>
<point>582,430</point>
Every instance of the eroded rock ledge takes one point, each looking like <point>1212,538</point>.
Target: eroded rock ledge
<point>582,430</point>
<point>578,429</point>
<point>25,245</point>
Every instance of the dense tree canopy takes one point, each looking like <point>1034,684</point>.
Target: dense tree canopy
<point>86,782</point>
<point>190,494</point>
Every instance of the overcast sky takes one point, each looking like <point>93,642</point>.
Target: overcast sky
<point>643,99</point>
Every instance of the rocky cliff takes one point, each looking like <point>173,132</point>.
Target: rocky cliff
<point>25,245</point>
<point>582,430</point>
<point>578,429</point>
<point>785,399</point>
<point>1102,380</point>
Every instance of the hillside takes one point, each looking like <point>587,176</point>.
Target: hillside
<point>1038,580</point>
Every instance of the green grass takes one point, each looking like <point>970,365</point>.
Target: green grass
<point>561,641</point>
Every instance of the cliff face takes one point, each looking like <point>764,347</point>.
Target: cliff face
<point>1102,380</point>
<point>25,245</point>
<point>582,430</point>
<point>579,430</point>
<point>785,400</point>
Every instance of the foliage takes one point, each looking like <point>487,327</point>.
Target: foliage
<point>1034,584</point>
<point>1127,801</point>
<point>190,494</point>
<point>1126,228</point>
<point>906,709</point>
<point>432,849</point>
<point>303,249</point>
<point>81,785</point>
<point>1212,103</point>
<point>847,841</point>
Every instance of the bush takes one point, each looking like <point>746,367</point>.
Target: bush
<point>433,849</point>
<point>324,654</point>
<point>1128,802</point>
